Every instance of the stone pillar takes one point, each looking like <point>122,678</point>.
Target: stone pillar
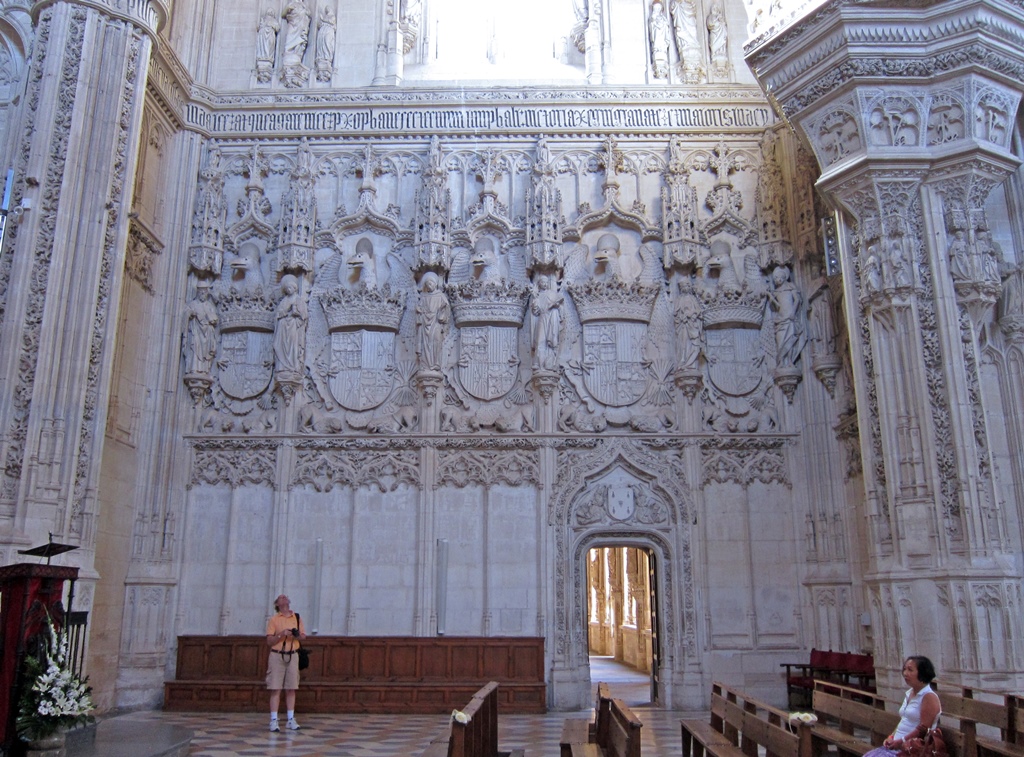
<point>61,271</point>
<point>911,125</point>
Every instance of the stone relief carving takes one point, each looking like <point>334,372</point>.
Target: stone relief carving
<point>743,461</point>
<point>408,304</point>
<point>239,465</point>
<point>895,121</point>
<point>461,468</point>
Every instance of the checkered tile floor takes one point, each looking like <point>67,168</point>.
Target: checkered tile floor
<point>238,735</point>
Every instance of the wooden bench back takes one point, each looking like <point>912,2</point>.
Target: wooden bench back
<point>479,736</point>
<point>855,714</point>
<point>750,724</point>
<point>622,731</point>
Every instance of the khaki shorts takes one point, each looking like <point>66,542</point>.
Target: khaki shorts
<point>283,671</point>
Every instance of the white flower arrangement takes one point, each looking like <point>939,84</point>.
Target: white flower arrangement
<point>54,697</point>
<point>808,718</point>
<point>460,717</point>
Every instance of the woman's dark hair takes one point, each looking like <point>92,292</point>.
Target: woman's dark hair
<point>925,669</point>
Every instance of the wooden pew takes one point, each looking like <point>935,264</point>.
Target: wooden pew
<point>615,731</point>
<point>740,725</point>
<point>972,710</point>
<point>577,731</point>
<point>847,721</point>
<point>478,735</point>
<point>855,722</point>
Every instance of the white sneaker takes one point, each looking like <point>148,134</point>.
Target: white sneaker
<point>292,725</point>
<point>274,728</point>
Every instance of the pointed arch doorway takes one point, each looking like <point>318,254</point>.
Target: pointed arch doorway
<point>622,621</point>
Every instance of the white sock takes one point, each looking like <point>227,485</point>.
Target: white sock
<point>291,714</point>
<point>273,717</point>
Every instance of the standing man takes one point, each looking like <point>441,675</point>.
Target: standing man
<point>285,630</point>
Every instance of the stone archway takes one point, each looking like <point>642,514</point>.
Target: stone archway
<point>614,497</point>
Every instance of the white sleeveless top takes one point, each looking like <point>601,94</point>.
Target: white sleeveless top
<point>910,712</point>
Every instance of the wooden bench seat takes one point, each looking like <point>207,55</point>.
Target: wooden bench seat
<point>615,731</point>
<point>740,726</point>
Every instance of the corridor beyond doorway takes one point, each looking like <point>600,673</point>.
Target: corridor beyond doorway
<point>627,683</point>
<point>622,621</point>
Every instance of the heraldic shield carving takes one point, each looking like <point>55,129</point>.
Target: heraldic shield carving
<point>246,351</point>
<point>613,366</point>
<point>488,360</point>
<point>733,369</point>
<point>361,371</point>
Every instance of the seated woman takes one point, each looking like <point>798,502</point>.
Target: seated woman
<point>920,710</point>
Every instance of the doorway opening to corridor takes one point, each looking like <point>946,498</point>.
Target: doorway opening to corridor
<point>622,621</point>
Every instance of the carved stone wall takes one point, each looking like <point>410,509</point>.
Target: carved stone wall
<point>408,350</point>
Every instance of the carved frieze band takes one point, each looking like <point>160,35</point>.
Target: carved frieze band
<point>487,468</point>
<point>383,470</point>
<point>359,115</point>
<point>246,463</point>
<point>744,461</point>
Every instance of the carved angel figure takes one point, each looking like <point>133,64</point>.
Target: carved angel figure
<point>200,331</point>
<point>546,308</point>
<point>433,313</point>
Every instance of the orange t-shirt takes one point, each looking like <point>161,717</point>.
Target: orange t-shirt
<point>280,623</point>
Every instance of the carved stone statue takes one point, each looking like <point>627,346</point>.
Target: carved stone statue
<point>718,42</point>
<point>1011,301</point>
<point>960,258</point>
<point>266,45</point>
<point>990,255</point>
<point>898,263</point>
<point>326,34</point>
<point>433,315</point>
<point>290,335</point>
<point>201,331</point>
<point>684,24</point>
<point>872,273</point>
<point>659,27</point>
<point>546,308</point>
<point>293,73</point>
<point>787,304</point>
<point>688,325</point>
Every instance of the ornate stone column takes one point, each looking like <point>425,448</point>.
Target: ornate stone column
<point>910,121</point>
<point>61,271</point>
